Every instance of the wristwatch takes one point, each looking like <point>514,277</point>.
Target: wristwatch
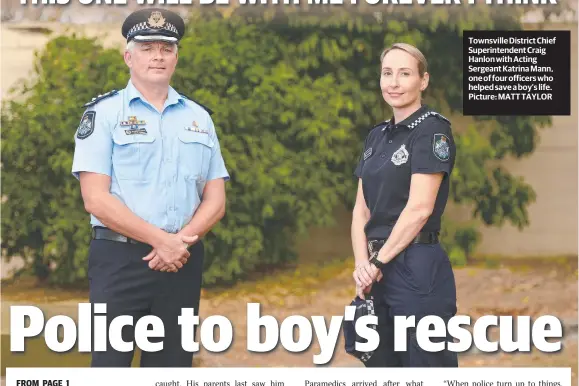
<point>377,263</point>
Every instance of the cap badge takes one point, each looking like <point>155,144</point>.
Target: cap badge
<point>156,20</point>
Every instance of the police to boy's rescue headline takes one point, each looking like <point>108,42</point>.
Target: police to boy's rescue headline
<point>528,332</point>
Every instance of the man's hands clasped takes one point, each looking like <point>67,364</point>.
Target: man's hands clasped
<point>365,275</point>
<point>171,253</point>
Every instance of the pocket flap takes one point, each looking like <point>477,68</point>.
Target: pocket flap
<point>187,136</point>
<point>121,138</point>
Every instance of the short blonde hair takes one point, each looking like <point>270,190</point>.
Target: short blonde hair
<point>415,52</point>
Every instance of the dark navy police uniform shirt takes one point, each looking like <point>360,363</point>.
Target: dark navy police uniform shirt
<point>422,143</point>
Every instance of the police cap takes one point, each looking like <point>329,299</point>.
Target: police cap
<point>153,24</point>
<point>369,306</point>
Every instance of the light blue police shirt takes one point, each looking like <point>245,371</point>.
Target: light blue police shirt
<point>159,162</point>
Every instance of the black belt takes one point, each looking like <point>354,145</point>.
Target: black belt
<point>101,233</point>
<point>426,238</point>
<point>421,238</point>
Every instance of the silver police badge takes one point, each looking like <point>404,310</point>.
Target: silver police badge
<point>86,127</point>
<point>400,156</point>
<point>441,147</point>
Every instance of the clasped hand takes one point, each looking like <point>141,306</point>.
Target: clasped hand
<point>171,253</point>
<point>365,275</point>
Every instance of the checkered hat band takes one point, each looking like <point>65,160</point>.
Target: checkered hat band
<point>143,25</point>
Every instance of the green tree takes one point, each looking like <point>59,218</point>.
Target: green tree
<point>286,138</point>
<point>347,43</point>
<point>43,218</point>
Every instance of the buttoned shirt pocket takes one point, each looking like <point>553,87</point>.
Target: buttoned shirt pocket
<point>195,150</point>
<point>131,154</point>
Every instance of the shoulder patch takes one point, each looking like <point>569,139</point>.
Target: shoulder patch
<point>86,127</point>
<point>203,106</point>
<point>441,146</point>
<point>99,98</point>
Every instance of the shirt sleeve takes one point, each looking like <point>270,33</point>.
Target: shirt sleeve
<point>217,167</point>
<point>93,144</point>
<point>433,150</point>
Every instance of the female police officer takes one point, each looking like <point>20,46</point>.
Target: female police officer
<point>402,192</point>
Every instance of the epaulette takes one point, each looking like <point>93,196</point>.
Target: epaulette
<point>438,115</point>
<point>99,98</point>
<point>427,114</point>
<point>203,106</point>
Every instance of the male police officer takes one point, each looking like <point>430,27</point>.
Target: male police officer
<point>152,177</point>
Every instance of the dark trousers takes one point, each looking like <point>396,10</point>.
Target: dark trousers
<point>418,282</point>
<point>121,279</point>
